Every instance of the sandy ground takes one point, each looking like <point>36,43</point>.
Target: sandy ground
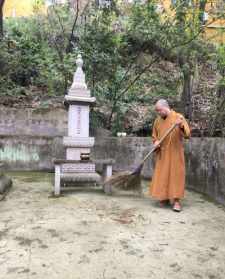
<point>87,235</point>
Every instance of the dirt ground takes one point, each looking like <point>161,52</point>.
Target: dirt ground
<point>87,235</point>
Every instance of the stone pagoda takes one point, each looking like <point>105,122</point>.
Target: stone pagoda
<point>77,169</point>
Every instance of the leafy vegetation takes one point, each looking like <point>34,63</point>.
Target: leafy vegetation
<point>132,56</point>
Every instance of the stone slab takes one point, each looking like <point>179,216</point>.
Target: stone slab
<point>78,142</point>
<point>78,168</point>
<point>80,177</point>
<point>78,99</point>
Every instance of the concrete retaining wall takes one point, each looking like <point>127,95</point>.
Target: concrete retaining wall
<point>205,163</point>
<point>33,122</point>
<point>30,152</point>
<point>30,138</point>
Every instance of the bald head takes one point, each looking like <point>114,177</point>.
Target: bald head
<point>162,108</point>
<point>162,103</point>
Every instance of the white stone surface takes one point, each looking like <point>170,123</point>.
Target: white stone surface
<point>78,167</point>
<point>107,171</point>
<point>78,142</point>
<point>74,153</point>
<point>78,98</point>
<point>92,178</point>
<point>78,122</point>
<point>79,76</point>
<point>57,180</point>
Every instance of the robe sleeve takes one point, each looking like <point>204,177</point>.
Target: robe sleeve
<point>185,130</point>
<point>155,134</point>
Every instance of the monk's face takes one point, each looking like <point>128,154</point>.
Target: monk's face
<point>162,110</point>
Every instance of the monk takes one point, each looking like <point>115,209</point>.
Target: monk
<point>168,180</point>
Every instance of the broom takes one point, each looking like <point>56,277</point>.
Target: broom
<point>132,179</point>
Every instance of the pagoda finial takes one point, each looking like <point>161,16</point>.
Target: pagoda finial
<point>79,76</point>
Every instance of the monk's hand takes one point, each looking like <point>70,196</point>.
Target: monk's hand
<point>156,144</point>
<point>179,122</point>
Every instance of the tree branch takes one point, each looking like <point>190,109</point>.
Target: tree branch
<point>59,19</point>
<point>73,28</point>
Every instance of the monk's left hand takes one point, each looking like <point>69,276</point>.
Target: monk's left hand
<point>179,121</point>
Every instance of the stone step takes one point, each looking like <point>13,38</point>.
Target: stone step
<point>80,177</point>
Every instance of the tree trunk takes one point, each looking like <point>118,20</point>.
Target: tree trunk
<point>187,92</point>
<point>1,23</point>
<point>1,17</point>
<point>202,6</point>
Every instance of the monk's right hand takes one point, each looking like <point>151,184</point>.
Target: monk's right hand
<point>156,144</point>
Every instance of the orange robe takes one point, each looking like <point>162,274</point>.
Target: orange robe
<point>169,174</point>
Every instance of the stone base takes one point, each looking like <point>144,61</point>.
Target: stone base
<point>5,184</point>
<point>80,173</point>
<point>74,173</point>
<point>80,177</point>
<point>75,180</point>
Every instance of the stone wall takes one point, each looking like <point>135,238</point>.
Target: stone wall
<point>33,122</point>
<point>127,152</point>
<point>205,162</point>
<point>29,140</point>
<point>30,152</point>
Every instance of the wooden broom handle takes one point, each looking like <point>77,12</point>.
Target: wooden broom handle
<point>160,141</point>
